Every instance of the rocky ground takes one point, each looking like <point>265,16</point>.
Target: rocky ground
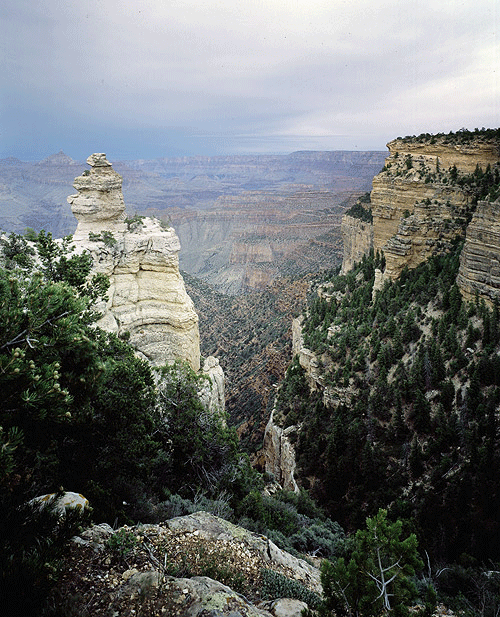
<point>196,565</point>
<point>191,566</point>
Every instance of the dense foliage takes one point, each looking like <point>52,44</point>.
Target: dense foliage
<point>412,381</point>
<point>80,411</point>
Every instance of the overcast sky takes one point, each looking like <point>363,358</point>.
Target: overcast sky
<point>150,78</point>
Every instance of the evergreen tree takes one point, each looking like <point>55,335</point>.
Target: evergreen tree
<point>375,577</point>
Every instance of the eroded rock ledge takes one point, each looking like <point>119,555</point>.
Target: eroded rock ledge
<point>419,209</point>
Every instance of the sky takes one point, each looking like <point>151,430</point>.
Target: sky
<point>141,79</point>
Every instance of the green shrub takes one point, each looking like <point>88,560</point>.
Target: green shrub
<point>122,542</point>
<point>277,585</point>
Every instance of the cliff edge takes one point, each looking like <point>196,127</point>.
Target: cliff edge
<point>431,192</point>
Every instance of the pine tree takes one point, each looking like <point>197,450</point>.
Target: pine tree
<point>376,577</point>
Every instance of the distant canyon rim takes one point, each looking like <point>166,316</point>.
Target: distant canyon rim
<point>242,220</point>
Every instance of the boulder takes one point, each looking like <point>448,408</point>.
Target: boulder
<point>67,501</point>
<point>284,607</point>
<point>212,527</point>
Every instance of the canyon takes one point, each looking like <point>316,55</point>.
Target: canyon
<point>241,220</point>
<point>427,198</point>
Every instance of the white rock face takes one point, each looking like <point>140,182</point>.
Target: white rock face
<point>279,454</point>
<point>213,395</point>
<point>147,297</point>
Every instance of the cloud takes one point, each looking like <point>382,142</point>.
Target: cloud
<point>275,68</point>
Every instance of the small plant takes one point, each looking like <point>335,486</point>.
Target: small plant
<point>135,223</point>
<point>122,542</point>
<point>276,585</point>
<point>106,237</point>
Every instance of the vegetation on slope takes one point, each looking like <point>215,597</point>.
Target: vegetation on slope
<point>81,412</point>
<point>413,383</point>
<point>462,136</point>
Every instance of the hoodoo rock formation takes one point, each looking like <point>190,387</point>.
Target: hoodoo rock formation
<point>146,298</point>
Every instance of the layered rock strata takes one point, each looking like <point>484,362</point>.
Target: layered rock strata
<point>357,240</point>
<point>417,205</point>
<point>466,156</point>
<point>146,298</point>
<point>479,271</point>
<point>417,209</point>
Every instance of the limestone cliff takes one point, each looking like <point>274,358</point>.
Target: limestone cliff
<point>147,297</point>
<point>417,208</point>
<point>357,239</point>
<point>480,258</point>
<point>422,199</point>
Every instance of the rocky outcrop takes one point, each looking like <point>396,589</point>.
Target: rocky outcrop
<point>279,454</point>
<point>357,239</point>
<point>211,527</point>
<point>441,149</point>
<point>147,299</point>
<point>96,579</point>
<point>60,504</point>
<point>429,230</point>
<point>479,271</point>
<point>212,394</point>
<point>314,369</point>
<point>417,206</point>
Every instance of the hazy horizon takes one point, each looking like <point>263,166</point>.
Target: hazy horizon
<point>153,78</point>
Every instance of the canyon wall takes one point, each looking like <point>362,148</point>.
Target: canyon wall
<point>479,271</point>
<point>357,240</point>
<point>246,241</point>
<point>417,207</point>
<point>421,203</point>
